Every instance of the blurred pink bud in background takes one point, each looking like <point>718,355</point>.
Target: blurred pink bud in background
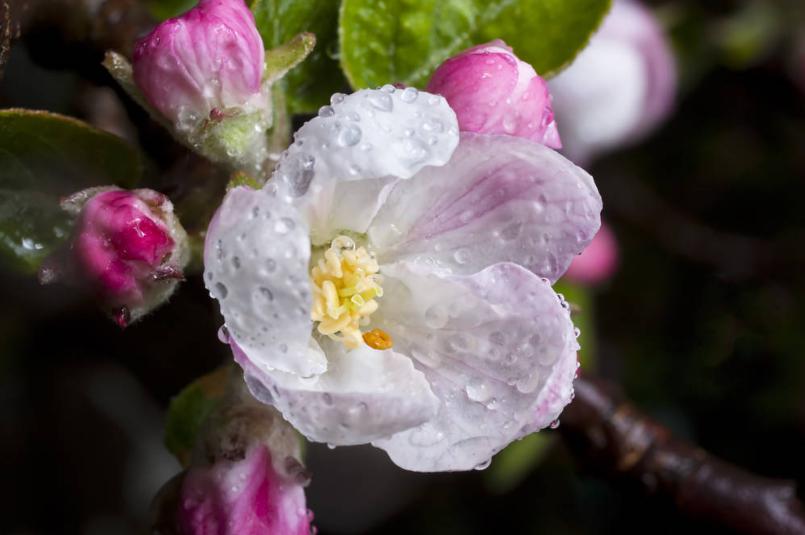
<point>598,262</point>
<point>493,92</point>
<point>243,497</point>
<point>129,247</point>
<point>619,88</point>
<point>205,61</point>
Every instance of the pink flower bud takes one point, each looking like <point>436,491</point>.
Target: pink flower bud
<point>129,247</point>
<point>598,262</point>
<point>202,63</point>
<point>493,92</point>
<point>243,497</point>
<point>619,88</point>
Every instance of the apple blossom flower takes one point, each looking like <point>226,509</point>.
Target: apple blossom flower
<point>619,88</point>
<point>598,262</point>
<point>129,247</point>
<point>203,72</point>
<point>392,283</point>
<point>494,92</point>
<point>247,478</point>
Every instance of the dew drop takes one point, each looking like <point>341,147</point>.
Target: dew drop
<point>349,136</point>
<point>337,98</point>
<point>462,256</point>
<point>497,338</point>
<point>221,290</point>
<point>223,334</point>
<point>484,465</point>
<point>266,293</point>
<point>436,317</point>
<point>478,390</point>
<point>284,225</point>
<point>380,101</point>
<point>326,111</point>
<point>409,94</point>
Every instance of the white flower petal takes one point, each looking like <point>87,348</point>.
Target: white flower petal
<point>370,134</point>
<point>499,199</point>
<point>256,265</point>
<point>364,395</point>
<point>495,347</point>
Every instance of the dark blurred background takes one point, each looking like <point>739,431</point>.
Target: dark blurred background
<point>702,325</point>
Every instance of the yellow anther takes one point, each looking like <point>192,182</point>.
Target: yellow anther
<point>378,339</point>
<point>345,284</point>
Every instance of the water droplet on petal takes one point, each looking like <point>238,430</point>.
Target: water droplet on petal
<point>380,101</point>
<point>349,136</point>
<point>409,94</point>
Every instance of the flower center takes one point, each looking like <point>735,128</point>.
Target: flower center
<point>345,284</point>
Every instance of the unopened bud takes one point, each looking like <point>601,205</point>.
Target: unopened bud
<point>494,92</point>
<point>129,247</point>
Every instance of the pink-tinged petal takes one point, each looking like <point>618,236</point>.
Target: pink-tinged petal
<point>372,137</point>
<point>499,199</point>
<point>365,394</point>
<point>620,88</point>
<point>598,262</point>
<point>494,347</point>
<point>256,265</point>
<point>211,57</point>
<point>493,92</point>
<point>123,240</point>
<point>243,497</point>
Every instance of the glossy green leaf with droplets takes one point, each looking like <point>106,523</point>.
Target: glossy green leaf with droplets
<point>32,225</point>
<point>44,156</point>
<point>388,41</point>
<point>309,85</point>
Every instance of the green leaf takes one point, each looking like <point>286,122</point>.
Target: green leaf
<point>43,156</point>
<point>582,301</point>
<point>516,461</point>
<point>388,41</point>
<point>288,55</point>
<point>188,411</point>
<point>51,153</point>
<point>165,9</point>
<point>309,85</point>
<point>32,225</point>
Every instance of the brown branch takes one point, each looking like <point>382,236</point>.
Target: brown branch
<point>610,435</point>
<point>6,33</point>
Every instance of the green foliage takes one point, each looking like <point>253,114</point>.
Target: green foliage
<point>513,464</point>
<point>188,411</point>
<point>165,9</point>
<point>32,225</point>
<point>50,153</point>
<point>387,41</point>
<point>309,85</point>
<point>43,156</point>
<point>583,306</point>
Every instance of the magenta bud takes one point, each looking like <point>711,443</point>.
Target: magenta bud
<point>243,497</point>
<point>598,262</point>
<point>129,247</point>
<point>196,66</point>
<point>494,92</point>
